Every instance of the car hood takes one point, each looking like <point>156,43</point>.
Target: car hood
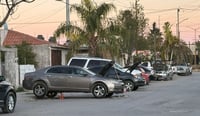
<point>105,69</point>
<point>131,68</point>
<point>181,66</point>
<point>5,83</point>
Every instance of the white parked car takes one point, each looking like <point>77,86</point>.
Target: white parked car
<point>147,64</point>
<point>182,69</point>
<point>87,62</point>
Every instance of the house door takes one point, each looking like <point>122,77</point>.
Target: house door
<point>55,57</point>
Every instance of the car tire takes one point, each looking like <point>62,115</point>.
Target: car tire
<point>99,90</point>
<point>10,102</point>
<point>39,89</point>
<point>51,94</point>
<point>129,85</point>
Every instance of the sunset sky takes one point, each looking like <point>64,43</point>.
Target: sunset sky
<point>44,16</point>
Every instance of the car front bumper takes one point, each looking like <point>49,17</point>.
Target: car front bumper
<point>139,81</point>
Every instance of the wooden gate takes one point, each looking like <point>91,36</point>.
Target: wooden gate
<point>55,57</point>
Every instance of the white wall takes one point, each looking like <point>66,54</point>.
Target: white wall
<point>25,69</point>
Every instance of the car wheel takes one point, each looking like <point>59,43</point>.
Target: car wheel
<point>10,103</point>
<point>99,90</point>
<point>109,94</point>
<point>40,89</point>
<point>129,85</point>
<point>51,94</point>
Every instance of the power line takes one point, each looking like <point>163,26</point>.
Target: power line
<point>34,23</point>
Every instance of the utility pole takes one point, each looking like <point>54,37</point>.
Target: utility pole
<point>67,20</point>
<point>195,37</point>
<point>177,26</point>
<point>67,11</point>
<point>154,38</point>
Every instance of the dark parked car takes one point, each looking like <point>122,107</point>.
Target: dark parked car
<point>130,82</point>
<point>51,80</point>
<point>132,69</point>
<point>7,96</point>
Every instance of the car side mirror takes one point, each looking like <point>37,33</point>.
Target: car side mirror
<point>2,78</point>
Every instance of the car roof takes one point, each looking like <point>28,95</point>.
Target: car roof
<point>87,60</point>
<point>90,58</point>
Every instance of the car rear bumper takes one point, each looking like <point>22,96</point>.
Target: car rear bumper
<point>181,72</point>
<point>26,85</point>
<point>118,88</point>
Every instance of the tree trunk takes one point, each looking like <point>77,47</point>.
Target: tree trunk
<point>93,46</point>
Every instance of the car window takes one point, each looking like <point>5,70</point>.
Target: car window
<point>79,71</point>
<point>92,63</point>
<point>113,71</point>
<point>145,64</point>
<point>78,62</point>
<point>54,70</point>
<point>63,70</point>
<point>96,69</point>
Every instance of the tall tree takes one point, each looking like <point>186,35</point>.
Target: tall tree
<point>173,49</point>
<point>26,54</point>
<point>155,40</point>
<point>10,5</point>
<point>92,17</point>
<point>109,42</point>
<point>132,23</point>
<point>182,54</point>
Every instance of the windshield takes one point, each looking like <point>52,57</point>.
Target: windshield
<point>119,67</point>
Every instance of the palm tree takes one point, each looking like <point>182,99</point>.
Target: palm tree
<point>109,41</point>
<point>182,54</point>
<point>173,48</point>
<point>92,17</point>
<point>169,41</point>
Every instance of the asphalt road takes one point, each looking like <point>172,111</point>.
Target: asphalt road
<point>179,97</point>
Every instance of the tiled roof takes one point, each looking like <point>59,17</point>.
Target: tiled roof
<point>16,38</point>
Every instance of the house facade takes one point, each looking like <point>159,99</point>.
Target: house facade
<point>47,54</point>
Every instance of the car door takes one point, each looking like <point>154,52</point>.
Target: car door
<point>80,79</point>
<point>57,77</point>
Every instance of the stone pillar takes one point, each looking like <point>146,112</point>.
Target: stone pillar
<point>11,66</point>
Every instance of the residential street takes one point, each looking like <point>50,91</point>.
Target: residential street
<point>179,97</point>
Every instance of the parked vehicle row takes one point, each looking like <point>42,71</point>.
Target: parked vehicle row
<point>101,77</point>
